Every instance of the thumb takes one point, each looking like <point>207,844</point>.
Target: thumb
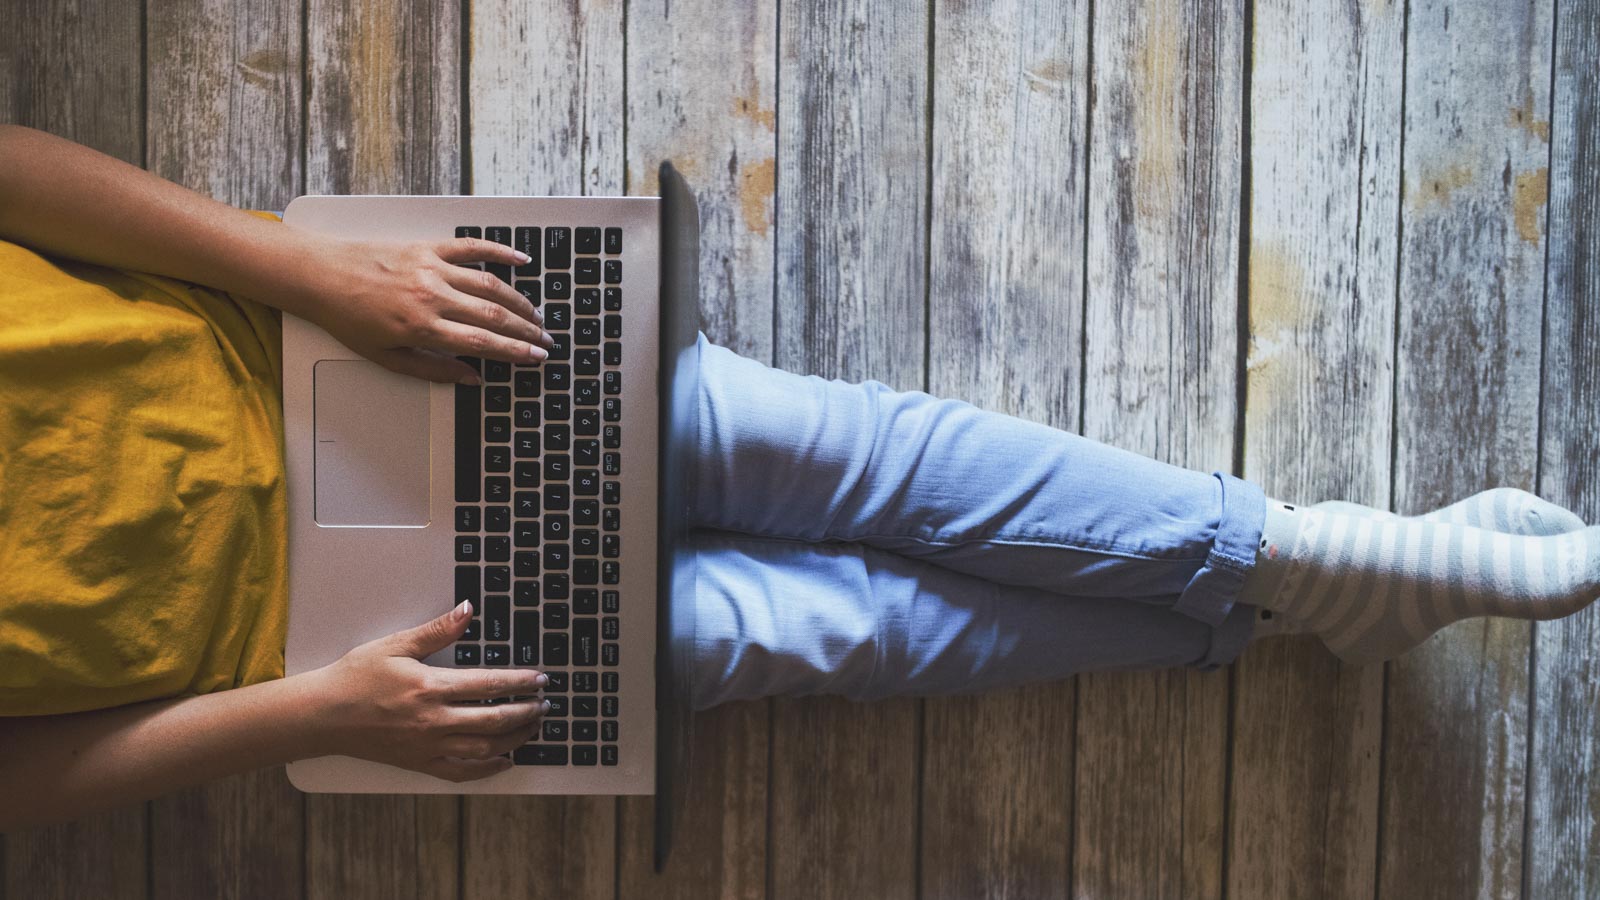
<point>427,365</point>
<point>431,636</point>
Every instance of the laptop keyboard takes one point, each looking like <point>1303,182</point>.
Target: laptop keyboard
<point>538,493</point>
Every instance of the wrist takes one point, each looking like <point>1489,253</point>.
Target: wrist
<point>316,714</point>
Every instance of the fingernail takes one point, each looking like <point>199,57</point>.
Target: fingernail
<point>464,610</point>
<point>473,380</point>
<point>544,707</point>
<point>542,680</point>
<point>522,257</point>
<point>536,352</point>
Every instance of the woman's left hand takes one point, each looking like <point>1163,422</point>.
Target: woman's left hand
<point>412,307</point>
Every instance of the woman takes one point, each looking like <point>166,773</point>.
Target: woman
<point>852,540</point>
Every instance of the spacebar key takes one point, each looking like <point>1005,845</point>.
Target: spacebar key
<point>469,438</point>
<point>540,755</point>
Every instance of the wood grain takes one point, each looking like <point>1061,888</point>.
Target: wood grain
<point>1005,320</point>
<point>1470,312</point>
<point>383,116</point>
<point>75,70</point>
<point>1162,344</point>
<point>1324,200</point>
<point>224,85</point>
<point>1564,794</point>
<point>703,93</point>
<point>851,289</point>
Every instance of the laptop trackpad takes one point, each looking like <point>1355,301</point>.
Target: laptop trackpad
<point>371,445</point>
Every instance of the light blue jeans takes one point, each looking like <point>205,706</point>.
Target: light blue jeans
<point>855,540</point>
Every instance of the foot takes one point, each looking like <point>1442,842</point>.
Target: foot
<point>1497,509</point>
<point>1373,587</point>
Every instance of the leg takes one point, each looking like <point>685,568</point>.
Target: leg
<point>786,617</point>
<point>977,492</point>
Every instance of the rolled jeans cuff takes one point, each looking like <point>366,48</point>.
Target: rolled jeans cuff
<point>1210,594</point>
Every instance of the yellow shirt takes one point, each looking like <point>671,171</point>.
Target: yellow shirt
<point>142,498</point>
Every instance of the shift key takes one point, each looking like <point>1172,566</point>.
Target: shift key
<point>525,649</point>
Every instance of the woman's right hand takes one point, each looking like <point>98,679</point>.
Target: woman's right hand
<point>380,702</point>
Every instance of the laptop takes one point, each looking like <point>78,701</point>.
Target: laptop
<point>553,496</point>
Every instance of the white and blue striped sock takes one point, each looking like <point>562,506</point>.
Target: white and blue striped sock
<point>1497,509</point>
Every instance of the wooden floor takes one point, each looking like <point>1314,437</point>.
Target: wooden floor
<point>1343,249</point>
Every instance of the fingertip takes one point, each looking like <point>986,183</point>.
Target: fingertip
<point>469,378</point>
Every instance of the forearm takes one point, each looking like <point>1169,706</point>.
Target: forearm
<point>68,200</point>
<point>56,768</point>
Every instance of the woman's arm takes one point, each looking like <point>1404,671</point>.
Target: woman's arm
<point>378,702</point>
<point>407,306</point>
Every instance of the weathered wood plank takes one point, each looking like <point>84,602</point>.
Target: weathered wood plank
<point>383,116</point>
<point>1324,189</point>
<point>852,165</point>
<point>1470,312</point>
<point>1162,349</point>
<point>1564,818</point>
<point>1009,118</point>
<point>75,70</point>
<point>703,92</point>
<point>224,80</point>
<point>545,116</point>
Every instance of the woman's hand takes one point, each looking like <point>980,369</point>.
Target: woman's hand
<point>413,307</point>
<point>381,703</point>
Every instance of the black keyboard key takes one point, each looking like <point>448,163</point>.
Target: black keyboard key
<point>611,628</point>
<point>526,445</point>
<point>540,755</point>
<point>586,730</point>
<point>586,271</point>
<point>586,642</point>
<point>468,586</point>
<point>612,465</point>
<point>586,452</point>
<point>587,332</point>
<point>497,429</point>
<point>467,518</point>
<point>612,493</point>
<point>612,519</point>
<point>613,301</point>
<point>527,414</point>
<point>474,630</point>
<point>500,234</point>
<point>557,685</point>
<point>585,682</point>
<point>608,706</point>
<point>608,654</point>
<point>585,542</point>
<point>586,392</point>
<point>555,527</point>
<point>469,231</point>
<point>496,371</point>
<point>527,240</point>
<point>586,301</point>
<point>469,441</point>
<point>500,271</point>
<point>585,571</point>
<point>526,534</point>
<point>555,651</point>
<point>496,398</point>
<point>613,382</point>
<point>496,654</point>
<point>613,240</point>
<point>613,271</point>
<point>496,579</point>
<point>608,730</point>
<point>525,649</point>
<point>613,353</point>
<point>525,563</point>
<point>557,286</point>
<point>468,549</point>
<point>557,407</point>
<point>587,361</point>
<point>560,345</point>
<point>526,593</point>
<point>586,422</point>
<point>585,512</point>
<point>466,654</point>
<point>586,707</point>
<point>585,601</point>
<point>526,504</point>
<point>557,247</point>
<point>613,327</point>
<point>557,438</point>
<point>610,601</point>
<point>557,377</point>
<point>555,616</point>
<point>584,755</point>
<point>556,557</point>
<point>497,617</point>
<point>609,682</point>
<point>557,317</point>
<point>554,730</point>
<point>496,458</point>
<point>558,705</point>
<point>556,498</point>
<point>608,755</point>
<point>586,482</point>
<point>611,436</point>
<point>527,474</point>
<point>611,409</point>
<point>497,489</point>
<point>526,383</point>
<point>611,546</point>
<point>556,587</point>
<point>610,572</point>
<point>587,240</point>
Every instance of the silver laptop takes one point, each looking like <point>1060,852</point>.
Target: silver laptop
<point>552,496</point>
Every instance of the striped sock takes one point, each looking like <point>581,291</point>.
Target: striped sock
<point>1373,587</point>
<point>1497,509</point>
